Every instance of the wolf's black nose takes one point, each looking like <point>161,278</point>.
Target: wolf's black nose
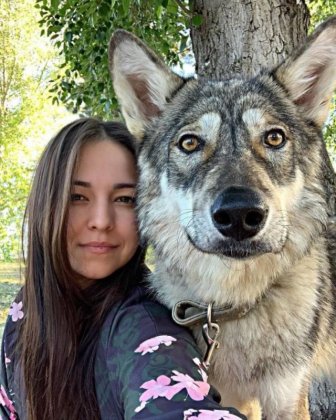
<point>239,213</point>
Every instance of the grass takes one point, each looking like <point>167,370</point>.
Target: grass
<point>10,283</point>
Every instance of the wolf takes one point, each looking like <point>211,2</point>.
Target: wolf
<point>231,198</point>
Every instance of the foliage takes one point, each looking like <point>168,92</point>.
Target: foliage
<point>320,10</point>
<point>10,284</point>
<point>81,29</point>
<point>330,133</point>
<point>25,115</point>
<point>12,113</point>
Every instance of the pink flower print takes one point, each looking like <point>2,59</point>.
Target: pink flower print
<point>196,390</point>
<point>161,387</point>
<point>209,415</point>
<point>152,344</point>
<point>6,402</point>
<point>15,311</point>
<point>154,389</point>
<point>200,365</point>
<point>188,413</point>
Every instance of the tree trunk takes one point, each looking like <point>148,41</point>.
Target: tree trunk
<point>243,36</point>
<point>240,37</point>
<point>322,401</point>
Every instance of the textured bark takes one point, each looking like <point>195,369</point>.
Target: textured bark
<point>322,401</point>
<point>243,36</point>
<point>240,37</point>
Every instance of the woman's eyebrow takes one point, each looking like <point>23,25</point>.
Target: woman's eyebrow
<point>82,183</point>
<point>124,185</point>
<point>118,186</point>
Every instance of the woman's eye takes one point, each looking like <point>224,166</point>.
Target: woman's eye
<point>126,199</point>
<point>275,138</point>
<point>78,197</point>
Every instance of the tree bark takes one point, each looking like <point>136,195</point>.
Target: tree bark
<point>322,401</point>
<point>241,37</point>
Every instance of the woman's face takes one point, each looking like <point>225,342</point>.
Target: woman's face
<point>102,233</point>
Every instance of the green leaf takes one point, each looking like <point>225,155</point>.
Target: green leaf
<point>197,20</point>
<point>172,6</point>
<point>54,4</point>
<point>126,5</point>
<point>159,12</point>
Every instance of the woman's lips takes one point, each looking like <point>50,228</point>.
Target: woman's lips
<point>99,247</point>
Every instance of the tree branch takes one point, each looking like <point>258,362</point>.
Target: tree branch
<point>183,7</point>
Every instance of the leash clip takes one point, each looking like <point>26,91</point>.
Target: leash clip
<point>210,332</point>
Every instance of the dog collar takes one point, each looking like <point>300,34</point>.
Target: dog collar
<point>202,313</point>
<point>189,312</point>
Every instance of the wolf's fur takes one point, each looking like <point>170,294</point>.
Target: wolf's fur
<point>286,269</point>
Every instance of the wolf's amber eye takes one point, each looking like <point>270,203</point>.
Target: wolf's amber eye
<point>275,138</point>
<point>189,143</point>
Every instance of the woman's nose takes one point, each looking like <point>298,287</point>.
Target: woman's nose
<point>101,217</point>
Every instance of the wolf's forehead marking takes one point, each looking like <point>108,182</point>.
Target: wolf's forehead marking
<point>207,125</point>
<point>253,117</point>
<point>210,124</point>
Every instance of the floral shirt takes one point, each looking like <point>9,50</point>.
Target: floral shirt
<point>146,367</point>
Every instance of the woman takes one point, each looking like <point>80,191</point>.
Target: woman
<point>84,340</point>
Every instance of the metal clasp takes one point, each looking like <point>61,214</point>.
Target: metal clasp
<point>210,332</point>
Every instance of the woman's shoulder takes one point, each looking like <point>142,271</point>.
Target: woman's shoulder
<point>149,367</point>
<point>8,358</point>
<point>140,315</point>
<point>13,322</point>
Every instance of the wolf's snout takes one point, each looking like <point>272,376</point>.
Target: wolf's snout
<point>239,213</point>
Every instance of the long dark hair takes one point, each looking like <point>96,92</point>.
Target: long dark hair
<point>59,335</point>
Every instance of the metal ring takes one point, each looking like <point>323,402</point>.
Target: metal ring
<point>209,313</point>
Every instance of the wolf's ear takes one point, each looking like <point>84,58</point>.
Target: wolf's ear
<point>310,75</point>
<point>142,82</point>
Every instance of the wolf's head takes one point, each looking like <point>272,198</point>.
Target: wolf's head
<point>230,169</point>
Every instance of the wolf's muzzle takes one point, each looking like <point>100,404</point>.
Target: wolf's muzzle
<point>239,213</point>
